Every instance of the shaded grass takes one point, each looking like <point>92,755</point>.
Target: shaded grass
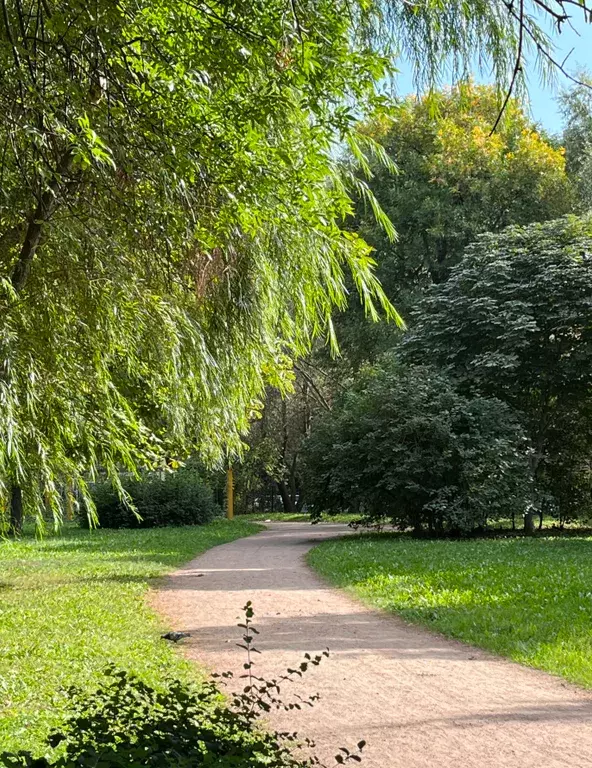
<point>527,599</point>
<point>296,517</point>
<point>71,604</point>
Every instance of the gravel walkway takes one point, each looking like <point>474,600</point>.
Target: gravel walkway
<point>418,699</point>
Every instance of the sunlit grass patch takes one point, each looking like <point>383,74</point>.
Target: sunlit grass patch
<point>71,604</point>
<point>527,599</point>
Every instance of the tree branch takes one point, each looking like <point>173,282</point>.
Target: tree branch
<point>46,207</point>
<point>517,67</point>
<point>541,48</point>
<point>318,394</point>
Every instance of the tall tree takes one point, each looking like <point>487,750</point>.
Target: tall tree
<point>167,183</point>
<point>455,179</point>
<point>171,218</point>
<point>576,106</point>
<point>514,322</point>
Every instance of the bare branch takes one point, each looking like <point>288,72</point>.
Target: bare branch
<point>318,394</point>
<point>517,67</point>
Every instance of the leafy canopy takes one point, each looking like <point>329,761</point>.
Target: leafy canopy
<point>514,322</point>
<point>455,180</point>
<point>402,444</point>
<point>171,217</point>
<point>170,224</point>
<point>514,319</point>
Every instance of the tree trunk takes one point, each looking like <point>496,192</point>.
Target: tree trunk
<point>529,526</point>
<point>16,511</point>
<point>535,507</point>
<point>286,498</point>
<point>300,502</point>
<point>293,484</point>
<point>45,209</point>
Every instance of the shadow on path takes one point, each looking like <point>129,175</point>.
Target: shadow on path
<point>421,700</point>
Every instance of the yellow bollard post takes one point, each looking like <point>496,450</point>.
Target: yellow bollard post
<point>229,494</point>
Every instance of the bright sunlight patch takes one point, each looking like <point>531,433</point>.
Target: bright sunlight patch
<point>527,599</point>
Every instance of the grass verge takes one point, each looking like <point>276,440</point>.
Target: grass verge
<point>527,599</point>
<point>71,604</point>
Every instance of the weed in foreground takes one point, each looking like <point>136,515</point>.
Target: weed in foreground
<point>128,722</point>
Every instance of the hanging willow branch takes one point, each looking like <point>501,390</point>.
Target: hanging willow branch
<point>134,136</point>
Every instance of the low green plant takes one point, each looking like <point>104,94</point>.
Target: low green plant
<point>72,603</point>
<point>127,722</point>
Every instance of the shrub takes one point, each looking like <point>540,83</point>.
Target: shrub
<point>126,722</point>
<point>402,444</point>
<point>177,498</point>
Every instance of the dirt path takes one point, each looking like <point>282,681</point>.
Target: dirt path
<point>418,699</point>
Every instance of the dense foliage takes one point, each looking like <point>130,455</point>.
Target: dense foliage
<point>455,180</point>
<point>402,444</point>
<point>511,322</point>
<point>168,182</point>
<point>514,321</point>
<point>171,219</point>
<point>155,499</point>
<point>127,722</point>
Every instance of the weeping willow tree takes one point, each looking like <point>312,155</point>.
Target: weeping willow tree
<point>172,210</point>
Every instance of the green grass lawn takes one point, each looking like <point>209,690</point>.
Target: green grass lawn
<point>527,599</point>
<point>71,604</point>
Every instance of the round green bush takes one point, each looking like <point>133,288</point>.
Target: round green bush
<point>182,497</point>
<point>402,444</point>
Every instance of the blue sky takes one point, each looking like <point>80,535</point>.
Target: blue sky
<point>543,104</point>
<point>542,97</point>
